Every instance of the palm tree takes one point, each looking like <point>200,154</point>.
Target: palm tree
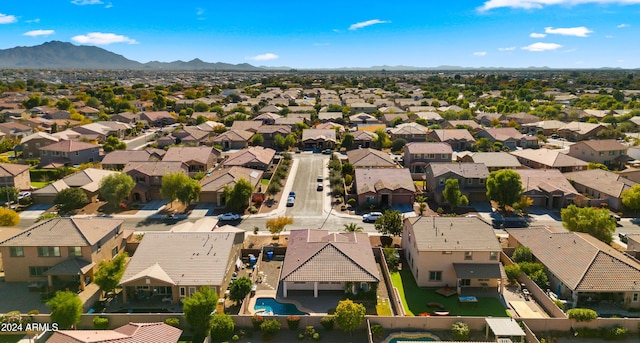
<point>423,203</point>
<point>353,227</point>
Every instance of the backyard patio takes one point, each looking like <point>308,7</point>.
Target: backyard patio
<point>416,300</point>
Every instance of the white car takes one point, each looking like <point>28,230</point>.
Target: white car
<point>371,217</point>
<point>229,216</point>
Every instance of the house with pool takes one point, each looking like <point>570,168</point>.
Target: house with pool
<point>320,261</point>
<point>456,253</point>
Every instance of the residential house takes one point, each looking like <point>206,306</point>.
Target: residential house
<point>246,125</point>
<point>370,158</point>
<point>410,132</point>
<point>148,177</point>
<point>269,133</point>
<point>609,152</point>
<point>544,158</point>
<point>191,136</point>
<point>198,159</point>
<point>88,180</point>
<point>462,124</point>
<point>15,130</point>
<point>99,131</point>
<point>363,139</point>
<point>493,160</point>
<point>418,155</point>
<point>548,188</point>
<point>457,253</point>
<point>65,153</point>
<point>458,139</point>
<point>389,118</point>
<point>508,136</point>
<point>174,265</point>
<point>15,175</point>
<point>384,187</point>
<point>61,250</point>
<point>31,144</point>
<point>600,187</point>
<point>362,107</point>
<point>522,118</point>
<point>125,117</point>
<point>38,124</point>
<point>317,260</point>
<point>548,127</point>
<point>332,126</point>
<point>363,118</point>
<point>213,185</point>
<point>158,118</point>
<point>267,118</point>
<point>579,131</point>
<point>472,179</point>
<point>59,115</point>
<point>255,157</point>
<point>117,159</point>
<point>233,139</point>
<point>42,111</point>
<point>158,332</point>
<point>582,268</point>
<point>488,119</point>
<point>88,112</point>
<point>319,138</point>
<point>270,108</point>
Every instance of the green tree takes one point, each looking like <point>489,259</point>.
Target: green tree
<point>347,141</point>
<point>513,272</point>
<point>116,188</point>
<point>222,327</point>
<point>273,189</point>
<point>349,315</point>
<point>178,186</point>
<point>504,187</point>
<point>276,225</point>
<point>522,254</point>
<point>113,143</point>
<point>9,194</point>
<point>390,223</point>
<point>422,203</point>
<point>257,139</point>
<point>593,165</point>
<point>279,142</point>
<point>109,273</point>
<point>189,192</point>
<point>460,331</point>
<point>398,144</point>
<point>197,311</point>
<point>9,217</point>
<point>237,197</point>
<point>239,289</point>
<point>382,140</point>
<point>631,198</point>
<point>70,199</point>
<point>353,227</point>
<point>453,195</point>
<point>64,104</point>
<point>66,309</point>
<point>594,221</point>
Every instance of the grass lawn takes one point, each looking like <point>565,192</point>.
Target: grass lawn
<point>383,308</point>
<point>10,338</point>
<point>39,184</point>
<point>415,299</point>
<point>265,182</point>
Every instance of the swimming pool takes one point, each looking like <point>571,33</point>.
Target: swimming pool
<point>271,306</point>
<point>399,337</point>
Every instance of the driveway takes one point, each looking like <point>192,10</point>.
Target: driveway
<point>309,201</point>
<point>34,211</point>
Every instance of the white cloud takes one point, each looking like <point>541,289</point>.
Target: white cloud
<point>537,4</point>
<point>264,57</point>
<point>99,38</point>
<point>511,48</point>
<point>539,46</point>
<point>621,26</point>
<point>36,33</point>
<point>608,36</point>
<point>109,5</point>
<point>367,23</point>
<point>7,18</point>
<point>86,2</point>
<point>537,35</point>
<point>37,20</point>
<point>199,11</point>
<point>480,53</point>
<point>579,31</point>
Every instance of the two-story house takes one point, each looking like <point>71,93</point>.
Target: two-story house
<point>158,118</point>
<point>270,132</point>
<point>61,250</point>
<point>362,139</point>
<point>370,158</point>
<point>384,187</point>
<point>609,152</point>
<point>508,136</point>
<point>199,159</point>
<point>418,155</point>
<point>148,177</point>
<point>544,158</point>
<point>472,179</point>
<point>458,253</point>
<point>458,139</point>
<point>15,175</point>
<point>31,144</point>
<point>68,153</point>
<point>255,157</point>
<point>410,132</point>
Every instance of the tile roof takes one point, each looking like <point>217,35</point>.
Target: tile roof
<point>234,135</point>
<point>479,270</point>
<point>69,146</point>
<point>65,232</point>
<point>496,159</point>
<point>454,134</point>
<point>603,145</point>
<point>545,179</point>
<point>370,158</point>
<point>200,154</point>
<point>603,181</point>
<point>376,179</point>
<point>183,258</point>
<point>12,169</point>
<point>580,127</point>
<point>465,170</point>
<point>317,255</point>
<point>452,234</point>
<point>314,134</point>
<point>254,154</point>
<point>503,133</point>
<point>156,168</point>
<point>363,135</point>
<point>130,333</point>
<point>581,261</point>
<point>549,157</point>
<point>228,177</point>
<point>125,156</point>
<point>428,148</point>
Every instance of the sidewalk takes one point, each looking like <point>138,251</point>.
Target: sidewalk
<point>282,205</point>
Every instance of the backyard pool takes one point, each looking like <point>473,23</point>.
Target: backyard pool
<point>400,337</point>
<point>271,306</point>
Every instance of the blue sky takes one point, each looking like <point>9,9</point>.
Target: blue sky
<point>333,34</point>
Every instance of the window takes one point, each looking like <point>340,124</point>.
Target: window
<point>192,291</point>
<point>26,146</point>
<point>469,181</point>
<point>445,156</point>
<point>468,255</point>
<point>114,252</point>
<point>481,181</point>
<point>77,153</point>
<point>48,251</point>
<point>16,251</point>
<point>465,282</point>
<point>183,292</point>
<point>635,297</point>
<point>431,156</point>
<point>493,255</point>
<point>99,245</point>
<point>75,251</point>
<point>37,271</point>
<point>441,182</point>
<point>43,152</point>
<point>601,153</point>
<point>37,145</point>
<point>435,276</point>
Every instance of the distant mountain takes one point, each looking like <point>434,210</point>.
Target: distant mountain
<point>62,55</point>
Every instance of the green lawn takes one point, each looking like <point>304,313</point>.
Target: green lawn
<point>415,299</point>
<point>39,184</point>
<point>265,182</point>
<point>10,338</point>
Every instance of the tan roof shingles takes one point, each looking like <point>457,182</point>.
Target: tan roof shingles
<point>12,169</point>
<point>453,234</point>
<point>156,168</point>
<point>228,177</point>
<point>375,179</point>
<point>428,148</point>
<point>251,155</point>
<point>548,157</point>
<point>370,158</point>
<point>602,181</point>
<point>65,232</point>
<point>130,333</point>
<point>200,154</point>
<point>69,146</point>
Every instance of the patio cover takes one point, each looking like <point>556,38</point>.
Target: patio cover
<point>505,327</point>
<point>72,266</point>
<point>153,272</point>
<point>478,270</point>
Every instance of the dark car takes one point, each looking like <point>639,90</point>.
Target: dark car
<point>292,195</point>
<point>320,187</point>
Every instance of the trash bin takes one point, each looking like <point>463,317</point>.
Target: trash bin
<point>270,255</point>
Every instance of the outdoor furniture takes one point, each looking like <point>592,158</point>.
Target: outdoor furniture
<point>441,313</point>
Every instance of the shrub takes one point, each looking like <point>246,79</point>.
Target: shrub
<point>559,304</point>
<point>616,332</point>
<point>309,331</point>
<point>522,254</point>
<point>300,336</point>
<point>253,210</point>
<point>351,202</point>
<point>582,314</point>
<point>316,336</point>
<point>377,330</point>
<point>33,312</point>
<point>100,323</point>
<point>270,327</point>
<point>513,272</point>
<point>257,321</point>
<point>327,322</point>
<point>460,331</point>
<point>222,327</point>
<point>293,322</point>
<point>175,322</point>
<point>235,338</point>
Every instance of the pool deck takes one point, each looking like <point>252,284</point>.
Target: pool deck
<point>273,295</point>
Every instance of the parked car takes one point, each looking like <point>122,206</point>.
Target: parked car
<point>327,151</point>
<point>24,194</point>
<point>371,217</point>
<point>623,237</point>
<point>319,178</point>
<point>292,195</point>
<point>291,201</point>
<point>320,187</point>
<point>229,216</point>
